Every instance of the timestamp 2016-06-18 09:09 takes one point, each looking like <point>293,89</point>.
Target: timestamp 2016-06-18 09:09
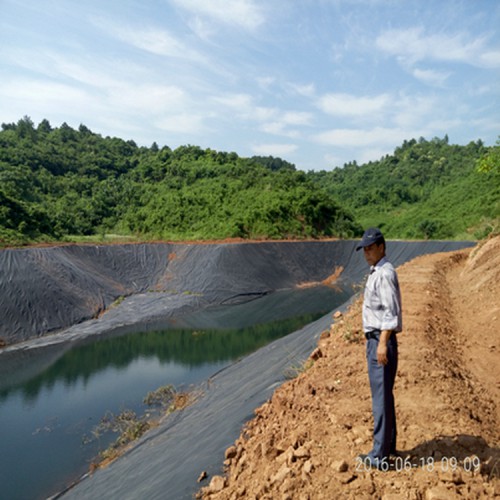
<point>430,464</point>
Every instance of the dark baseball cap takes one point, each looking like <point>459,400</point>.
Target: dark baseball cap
<point>370,236</point>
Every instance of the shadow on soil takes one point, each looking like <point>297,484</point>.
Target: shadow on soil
<point>461,452</point>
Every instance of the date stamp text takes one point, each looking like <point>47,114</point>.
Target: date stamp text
<point>429,464</point>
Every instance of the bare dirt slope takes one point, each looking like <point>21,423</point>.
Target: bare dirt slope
<point>303,443</point>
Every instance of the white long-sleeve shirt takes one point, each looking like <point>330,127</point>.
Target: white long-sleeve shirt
<point>382,299</point>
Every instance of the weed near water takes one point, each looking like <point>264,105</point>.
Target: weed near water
<point>130,427</point>
<point>296,368</point>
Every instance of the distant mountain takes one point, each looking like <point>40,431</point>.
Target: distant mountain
<point>65,184</point>
<point>61,184</point>
<point>426,189</point>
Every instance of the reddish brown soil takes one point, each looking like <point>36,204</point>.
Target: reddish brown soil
<point>303,443</point>
<point>131,241</point>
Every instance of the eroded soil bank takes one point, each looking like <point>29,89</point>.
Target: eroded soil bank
<point>303,443</point>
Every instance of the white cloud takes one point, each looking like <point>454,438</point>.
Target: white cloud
<point>244,105</point>
<point>431,77</point>
<point>483,90</point>
<point>338,52</point>
<point>333,160</point>
<point>96,72</point>
<point>482,125</point>
<point>201,28</point>
<point>150,39</point>
<point>265,82</point>
<point>444,126</point>
<point>260,113</point>
<point>44,96</point>
<point>237,102</point>
<point>297,118</point>
<point>490,59</point>
<point>403,110</point>
<point>353,106</point>
<point>147,99</point>
<point>308,90</point>
<point>238,13</point>
<point>378,136</point>
<point>273,121</point>
<point>288,119</point>
<point>413,45</point>
<point>408,111</point>
<point>153,40</point>
<point>404,117</point>
<point>278,128</point>
<point>274,149</point>
<point>81,72</point>
<point>185,123</point>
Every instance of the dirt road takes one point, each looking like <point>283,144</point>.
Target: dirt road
<point>303,443</point>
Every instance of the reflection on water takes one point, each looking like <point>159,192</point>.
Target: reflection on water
<point>44,420</point>
<point>188,347</point>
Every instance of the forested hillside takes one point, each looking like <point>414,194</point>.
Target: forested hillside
<point>58,183</point>
<point>426,189</point>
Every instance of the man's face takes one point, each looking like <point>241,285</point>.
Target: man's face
<point>373,253</point>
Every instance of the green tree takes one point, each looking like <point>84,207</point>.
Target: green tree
<point>490,161</point>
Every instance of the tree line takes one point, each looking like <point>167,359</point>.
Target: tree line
<point>425,189</point>
<point>58,184</point>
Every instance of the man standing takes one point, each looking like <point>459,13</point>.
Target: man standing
<point>382,320</point>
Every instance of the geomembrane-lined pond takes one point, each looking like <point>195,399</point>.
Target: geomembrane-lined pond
<point>46,422</point>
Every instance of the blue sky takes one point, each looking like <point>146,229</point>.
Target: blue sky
<point>316,82</point>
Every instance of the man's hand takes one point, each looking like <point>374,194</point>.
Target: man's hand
<point>382,353</point>
<point>382,347</point>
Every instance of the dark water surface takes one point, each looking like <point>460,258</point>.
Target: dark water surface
<point>46,422</point>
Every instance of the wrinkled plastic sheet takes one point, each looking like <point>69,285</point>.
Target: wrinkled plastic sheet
<point>46,290</point>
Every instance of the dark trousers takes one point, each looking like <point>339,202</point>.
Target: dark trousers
<point>381,384</point>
